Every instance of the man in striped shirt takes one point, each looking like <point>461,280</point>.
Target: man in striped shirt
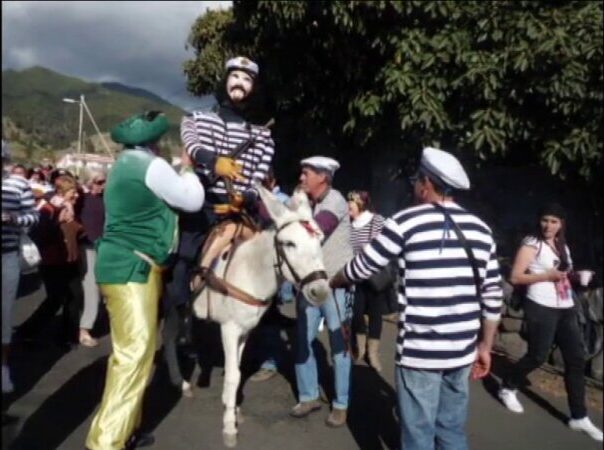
<point>447,321</point>
<point>208,138</point>
<point>18,213</point>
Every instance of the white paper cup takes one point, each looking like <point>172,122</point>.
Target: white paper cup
<point>585,277</point>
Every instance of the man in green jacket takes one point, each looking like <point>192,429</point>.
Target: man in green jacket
<point>139,235</point>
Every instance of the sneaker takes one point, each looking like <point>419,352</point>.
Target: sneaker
<point>88,341</point>
<point>509,399</point>
<point>586,426</point>
<point>187,389</point>
<point>263,375</point>
<point>7,384</point>
<point>303,409</point>
<point>336,418</point>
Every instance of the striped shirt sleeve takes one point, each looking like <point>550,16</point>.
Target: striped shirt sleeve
<point>28,215</point>
<point>492,292</point>
<point>387,245</point>
<point>200,153</point>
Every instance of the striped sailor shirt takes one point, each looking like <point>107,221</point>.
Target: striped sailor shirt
<point>207,135</point>
<point>17,200</point>
<point>440,314</point>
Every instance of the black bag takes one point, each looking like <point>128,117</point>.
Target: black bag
<point>384,279</point>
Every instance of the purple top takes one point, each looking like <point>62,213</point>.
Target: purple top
<point>92,216</point>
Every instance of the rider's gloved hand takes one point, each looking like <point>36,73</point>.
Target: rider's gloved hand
<point>226,208</point>
<point>228,168</point>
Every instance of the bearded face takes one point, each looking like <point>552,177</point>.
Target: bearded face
<point>239,85</point>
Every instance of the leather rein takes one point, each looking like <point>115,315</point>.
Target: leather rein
<point>224,287</point>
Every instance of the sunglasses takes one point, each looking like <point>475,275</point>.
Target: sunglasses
<point>99,182</point>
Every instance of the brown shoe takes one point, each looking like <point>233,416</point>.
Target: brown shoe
<point>263,375</point>
<point>303,409</point>
<point>336,418</point>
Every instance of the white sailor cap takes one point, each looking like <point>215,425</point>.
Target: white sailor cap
<point>445,167</point>
<point>321,163</point>
<point>242,63</point>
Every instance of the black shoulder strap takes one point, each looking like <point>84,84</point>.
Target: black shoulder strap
<point>466,247</point>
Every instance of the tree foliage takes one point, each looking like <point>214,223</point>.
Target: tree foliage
<point>513,81</point>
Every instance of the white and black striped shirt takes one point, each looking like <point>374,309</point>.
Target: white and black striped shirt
<point>206,135</point>
<point>18,200</point>
<point>440,313</point>
<point>364,228</point>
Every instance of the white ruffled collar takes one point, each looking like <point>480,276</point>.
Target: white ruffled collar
<point>362,219</point>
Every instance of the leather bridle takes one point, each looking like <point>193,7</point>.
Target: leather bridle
<point>282,258</point>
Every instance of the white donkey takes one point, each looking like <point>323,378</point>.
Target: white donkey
<point>291,250</point>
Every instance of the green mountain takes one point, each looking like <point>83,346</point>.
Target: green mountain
<point>34,114</point>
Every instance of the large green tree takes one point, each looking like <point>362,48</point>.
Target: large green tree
<point>506,81</point>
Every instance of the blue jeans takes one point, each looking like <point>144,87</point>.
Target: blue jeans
<point>433,405</point>
<point>11,272</point>
<point>286,292</point>
<point>308,318</point>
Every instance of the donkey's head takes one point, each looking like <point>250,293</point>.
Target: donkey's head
<point>298,244</point>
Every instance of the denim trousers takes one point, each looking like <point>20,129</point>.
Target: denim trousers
<point>433,406</point>
<point>308,318</point>
<point>11,272</point>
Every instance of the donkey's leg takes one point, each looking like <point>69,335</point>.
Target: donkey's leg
<point>230,341</point>
<point>242,342</point>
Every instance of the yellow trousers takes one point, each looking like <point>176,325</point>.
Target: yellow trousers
<point>132,309</point>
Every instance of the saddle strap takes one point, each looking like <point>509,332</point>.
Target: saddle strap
<point>224,287</point>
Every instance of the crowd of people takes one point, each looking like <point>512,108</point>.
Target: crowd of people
<point>142,240</point>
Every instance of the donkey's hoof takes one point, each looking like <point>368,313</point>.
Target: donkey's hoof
<point>230,439</point>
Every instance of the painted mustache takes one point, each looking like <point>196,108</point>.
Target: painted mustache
<point>237,86</point>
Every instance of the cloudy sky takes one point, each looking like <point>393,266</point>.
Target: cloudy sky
<point>140,44</point>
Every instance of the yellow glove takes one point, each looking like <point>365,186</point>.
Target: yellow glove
<point>226,208</point>
<point>228,168</point>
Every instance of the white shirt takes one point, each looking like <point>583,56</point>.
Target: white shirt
<point>544,292</point>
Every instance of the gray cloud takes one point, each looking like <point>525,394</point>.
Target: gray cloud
<point>139,44</point>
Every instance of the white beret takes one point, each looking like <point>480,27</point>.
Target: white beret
<point>242,63</point>
<point>445,167</point>
<point>321,163</point>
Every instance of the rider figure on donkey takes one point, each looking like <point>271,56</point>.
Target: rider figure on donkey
<point>210,138</point>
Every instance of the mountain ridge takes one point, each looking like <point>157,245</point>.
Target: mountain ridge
<point>34,114</point>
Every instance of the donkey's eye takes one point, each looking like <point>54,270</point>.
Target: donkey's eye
<point>289,244</point>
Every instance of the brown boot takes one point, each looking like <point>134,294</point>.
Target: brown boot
<point>303,409</point>
<point>336,418</point>
<point>373,351</point>
<point>361,346</point>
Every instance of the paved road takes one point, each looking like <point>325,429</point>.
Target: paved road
<point>57,394</point>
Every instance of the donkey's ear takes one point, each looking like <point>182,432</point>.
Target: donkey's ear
<point>275,208</point>
<point>300,204</point>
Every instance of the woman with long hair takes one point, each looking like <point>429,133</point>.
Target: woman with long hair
<point>543,264</point>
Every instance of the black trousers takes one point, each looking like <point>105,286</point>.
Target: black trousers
<point>545,327</point>
<point>368,301</point>
<point>63,284</point>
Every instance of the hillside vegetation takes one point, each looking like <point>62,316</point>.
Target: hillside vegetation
<point>35,118</point>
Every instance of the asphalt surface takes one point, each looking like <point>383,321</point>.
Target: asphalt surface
<point>58,391</point>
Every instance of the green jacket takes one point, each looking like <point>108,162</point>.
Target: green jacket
<point>135,219</point>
